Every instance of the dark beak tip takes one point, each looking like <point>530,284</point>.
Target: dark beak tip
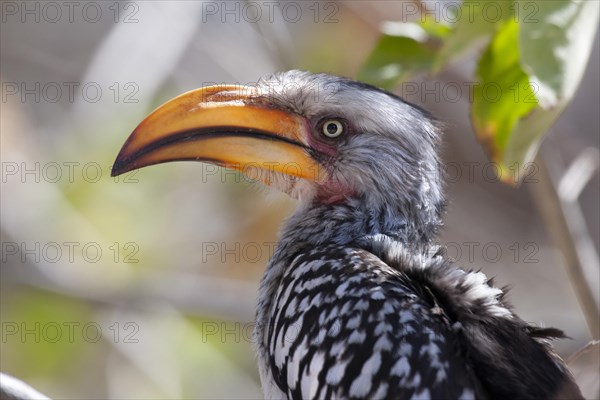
<point>119,167</point>
<point>115,171</point>
<point>124,162</point>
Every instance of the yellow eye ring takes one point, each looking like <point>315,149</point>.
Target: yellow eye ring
<point>332,128</point>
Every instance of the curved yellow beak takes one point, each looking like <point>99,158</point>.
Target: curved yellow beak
<point>229,126</point>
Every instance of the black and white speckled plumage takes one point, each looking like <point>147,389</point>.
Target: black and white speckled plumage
<point>356,302</point>
<point>372,320</point>
<point>347,324</point>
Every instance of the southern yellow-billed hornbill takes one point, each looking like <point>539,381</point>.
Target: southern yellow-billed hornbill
<point>356,301</point>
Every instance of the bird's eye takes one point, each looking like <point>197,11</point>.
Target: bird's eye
<point>333,128</point>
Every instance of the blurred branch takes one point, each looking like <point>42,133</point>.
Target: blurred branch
<point>14,389</point>
<point>195,294</point>
<point>585,349</point>
<point>277,37</point>
<point>568,230</point>
<point>581,170</point>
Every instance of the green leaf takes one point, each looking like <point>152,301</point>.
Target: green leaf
<point>403,51</point>
<point>534,84</point>
<point>476,20</point>
<point>439,29</point>
<point>527,74</point>
<point>502,97</point>
<point>523,142</point>
<point>555,44</point>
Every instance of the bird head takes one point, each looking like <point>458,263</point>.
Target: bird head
<point>319,138</point>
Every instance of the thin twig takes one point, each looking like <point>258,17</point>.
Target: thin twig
<point>566,226</point>
<point>585,349</point>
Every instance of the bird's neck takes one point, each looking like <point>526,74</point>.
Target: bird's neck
<point>352,221</point>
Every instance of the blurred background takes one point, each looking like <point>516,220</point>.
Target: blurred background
<point>144,286</point>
